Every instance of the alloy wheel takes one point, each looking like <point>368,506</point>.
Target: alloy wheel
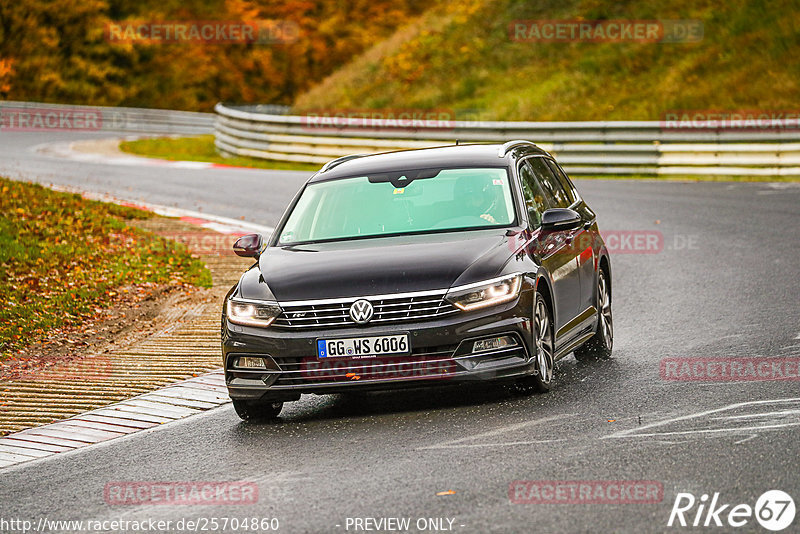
<point>544,341</point>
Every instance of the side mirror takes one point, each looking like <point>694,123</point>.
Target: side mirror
<point>556,219</point>
<point>249,246</point>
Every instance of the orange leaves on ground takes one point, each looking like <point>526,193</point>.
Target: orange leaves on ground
<point>62,256</point>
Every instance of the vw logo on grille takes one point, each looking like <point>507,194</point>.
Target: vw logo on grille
<point>361,311</point>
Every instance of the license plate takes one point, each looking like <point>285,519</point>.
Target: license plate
<point>363,347</point>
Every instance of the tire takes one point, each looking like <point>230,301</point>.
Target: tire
<point>253,411</point>
<point>601,343</point>
<point>543,345</point>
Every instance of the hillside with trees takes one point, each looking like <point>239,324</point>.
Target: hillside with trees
<point>408,54</point>
<point>60,50</point>
<point>462,57</point>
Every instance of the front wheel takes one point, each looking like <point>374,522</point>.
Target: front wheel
<point>544,350</point>
<point>600,344</point>
<point>254,411</point>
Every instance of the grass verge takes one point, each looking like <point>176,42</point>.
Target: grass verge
<point>201,148</point>
<point>62,257</point>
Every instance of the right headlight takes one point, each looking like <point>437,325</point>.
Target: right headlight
<point>250,313</point>
<point>488,293</point>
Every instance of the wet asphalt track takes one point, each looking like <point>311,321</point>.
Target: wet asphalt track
<point>724,285</point>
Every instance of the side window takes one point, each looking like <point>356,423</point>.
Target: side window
<point>563,180</point>
<point>535,199</point>
<point>553,190</point>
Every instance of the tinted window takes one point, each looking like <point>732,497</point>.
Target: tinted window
<point>535,199</point>
<point>553,190</point>
<point>563,180</point>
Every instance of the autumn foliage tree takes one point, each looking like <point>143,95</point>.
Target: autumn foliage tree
<point>59,50</point>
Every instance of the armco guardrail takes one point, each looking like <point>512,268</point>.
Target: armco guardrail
<point>34,116</point>
<point>645,147</point>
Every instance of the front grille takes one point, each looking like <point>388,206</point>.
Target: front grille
<point>336,313</point>
<point>429,362</point>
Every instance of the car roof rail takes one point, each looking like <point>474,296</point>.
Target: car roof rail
<point>511,144</point>
<point>338,161</point>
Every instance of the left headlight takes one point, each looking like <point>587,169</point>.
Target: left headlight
<point>249,313</point>
<point>484,294</point>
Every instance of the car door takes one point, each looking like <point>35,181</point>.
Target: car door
<point>553,248</point>
<point>583,239</point>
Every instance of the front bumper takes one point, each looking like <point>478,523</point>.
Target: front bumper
<point>441,354</point>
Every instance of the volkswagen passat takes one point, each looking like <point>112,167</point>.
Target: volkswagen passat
<point>417,268</point>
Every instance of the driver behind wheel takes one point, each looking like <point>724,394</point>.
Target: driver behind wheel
<point>474,195</point>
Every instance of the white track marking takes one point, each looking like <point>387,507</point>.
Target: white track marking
<point>498,444</point>
<point>765,414</point>
<point>223,225</point>
<point>66,150</point>
<point>459,443</point>
<point>638,432</point>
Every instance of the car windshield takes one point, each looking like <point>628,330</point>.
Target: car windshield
<point>433,200</point>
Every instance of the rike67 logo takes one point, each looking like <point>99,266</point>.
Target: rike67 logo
<point>774,510</point>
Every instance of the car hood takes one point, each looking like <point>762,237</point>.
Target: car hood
<point>379,266</point>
